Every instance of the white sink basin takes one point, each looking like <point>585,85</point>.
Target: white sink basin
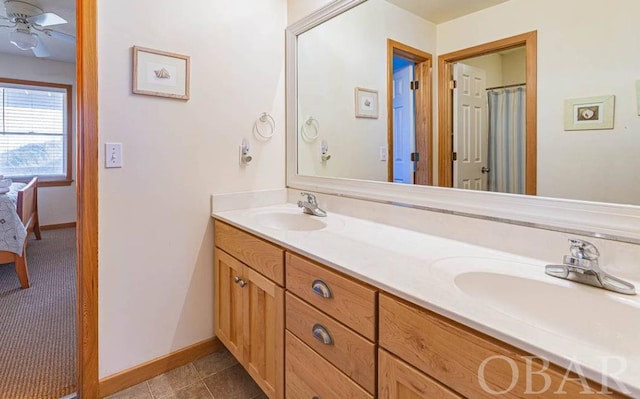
<point>284,220</point>
<point>523,291</point>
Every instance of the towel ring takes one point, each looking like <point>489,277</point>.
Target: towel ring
<point>311,122</point>
<point>265,118</point>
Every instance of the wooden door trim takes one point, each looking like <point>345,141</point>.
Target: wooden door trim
<point>87,199</point>
<point>395,48</point>
<point>445,104</point>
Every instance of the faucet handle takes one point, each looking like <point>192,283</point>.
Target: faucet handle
<point>581,249</point>
<point>310,198</point>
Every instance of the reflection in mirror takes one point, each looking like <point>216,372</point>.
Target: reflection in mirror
<point>581,54</point>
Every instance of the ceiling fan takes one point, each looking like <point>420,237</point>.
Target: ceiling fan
<point>30,22</point>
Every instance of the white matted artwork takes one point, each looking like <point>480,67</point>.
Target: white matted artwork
<point>160,73</point>
<point>589,113</point>
<point>366,103</point>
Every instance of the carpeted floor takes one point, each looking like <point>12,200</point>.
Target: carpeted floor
<point>37,325</point>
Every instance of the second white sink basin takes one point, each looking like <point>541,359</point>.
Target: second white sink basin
<point>523,291</point>
<point>285,220</point>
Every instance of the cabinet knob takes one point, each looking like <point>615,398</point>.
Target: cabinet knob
<point>236,279</point>
<point>239,281</point>
<point>321,288</point>
<point>321,333</point>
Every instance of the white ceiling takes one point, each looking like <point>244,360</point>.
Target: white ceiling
<point>438,11</point>
<point>60,50</point>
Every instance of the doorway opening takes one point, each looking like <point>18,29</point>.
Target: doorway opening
<point>452,164</point>
<point>409,110</point>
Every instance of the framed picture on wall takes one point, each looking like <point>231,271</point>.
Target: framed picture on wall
<point>366,103</point>
<point>590,113</point>
<point>160,73</point>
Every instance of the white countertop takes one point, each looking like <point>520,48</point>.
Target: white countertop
<point>423,268</point>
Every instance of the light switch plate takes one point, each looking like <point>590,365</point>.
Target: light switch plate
<point>113,155</point>
<point>638,96</point>
<point>383,154</point>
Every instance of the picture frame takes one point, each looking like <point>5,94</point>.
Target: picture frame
<point>160,73</point>
<point>589,113</point>
<point>366,103</point>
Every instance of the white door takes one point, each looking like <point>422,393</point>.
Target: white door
<point>404,140</point>
<point>470,128</point>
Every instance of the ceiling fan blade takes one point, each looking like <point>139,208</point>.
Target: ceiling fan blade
<point>47,19</point>
<point>41,50</point>
<point>60,36</point>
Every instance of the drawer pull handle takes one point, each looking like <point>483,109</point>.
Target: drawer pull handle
<point>321,288</point>
<point>321,334</point>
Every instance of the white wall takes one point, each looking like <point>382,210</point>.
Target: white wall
<point>514,67</point>
<point>156,238</point>
<point>334,58</point>
<point>491,64</point>
<point>298,9</point>
<point>578,56</point>
<point>55,204</point>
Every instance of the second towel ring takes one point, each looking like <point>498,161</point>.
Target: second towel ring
<point>265,118</point>
<point>309,123</point>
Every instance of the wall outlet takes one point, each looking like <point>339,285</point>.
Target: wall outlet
<point>113,155</point>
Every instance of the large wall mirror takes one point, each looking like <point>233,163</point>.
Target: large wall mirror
<point>543,115</point>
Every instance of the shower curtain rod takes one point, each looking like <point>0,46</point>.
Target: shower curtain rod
<point>505,87</point>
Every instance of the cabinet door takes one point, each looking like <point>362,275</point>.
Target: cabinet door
<point>264,333</point>
<point>228,302</point>
<point>398,380</point>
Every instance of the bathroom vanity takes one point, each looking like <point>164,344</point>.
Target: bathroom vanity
<point>341,307</point>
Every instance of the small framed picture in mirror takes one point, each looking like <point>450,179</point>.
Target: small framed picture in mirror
<point>366,103</point>
<point>591,113</point>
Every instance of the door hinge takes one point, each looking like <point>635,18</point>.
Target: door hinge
<point>453,84</point>
<point>415,85</point>
<point>454,156</point>
<point>415,157</point>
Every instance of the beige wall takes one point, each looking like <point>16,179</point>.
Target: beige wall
<point>335,58</point>
<point>156,238</point>
<point>578,56</point>
<point>55,204</point>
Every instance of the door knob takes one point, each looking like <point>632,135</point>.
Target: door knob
<point>485,169</point>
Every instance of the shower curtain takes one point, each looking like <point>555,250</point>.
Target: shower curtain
<point>507,140</point>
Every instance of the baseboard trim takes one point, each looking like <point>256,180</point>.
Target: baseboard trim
<point>58,226</point>
<point>135,375</point>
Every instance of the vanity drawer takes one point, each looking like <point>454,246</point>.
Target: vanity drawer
<point>308,375</point>
<point>398,380</point>
<point>453,354</point>
<point>348,351</point>
<point>352,303</point>
<point>265,258</point>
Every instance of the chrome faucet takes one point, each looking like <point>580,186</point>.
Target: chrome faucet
<point>311,205</point>
<point>582,266</point>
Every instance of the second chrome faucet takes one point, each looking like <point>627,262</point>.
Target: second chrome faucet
<point>581,266</point>
<point>310,206</point>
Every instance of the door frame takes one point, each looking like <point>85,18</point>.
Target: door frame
<point>445,104</point>
<point>87,199</point>
<point>423,107</point>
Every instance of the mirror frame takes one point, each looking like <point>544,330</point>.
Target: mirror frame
<point>618,222</point>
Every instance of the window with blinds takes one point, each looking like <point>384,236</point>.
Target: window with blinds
<point>34,131</point>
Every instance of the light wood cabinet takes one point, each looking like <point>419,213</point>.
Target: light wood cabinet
<point>343,339</point>
<point>398,380</point>
<point>249,317</point>
<point>468,362</point>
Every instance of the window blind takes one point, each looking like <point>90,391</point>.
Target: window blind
<point>32,135</point>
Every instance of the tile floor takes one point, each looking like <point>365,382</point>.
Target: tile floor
<point>217,376</point>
